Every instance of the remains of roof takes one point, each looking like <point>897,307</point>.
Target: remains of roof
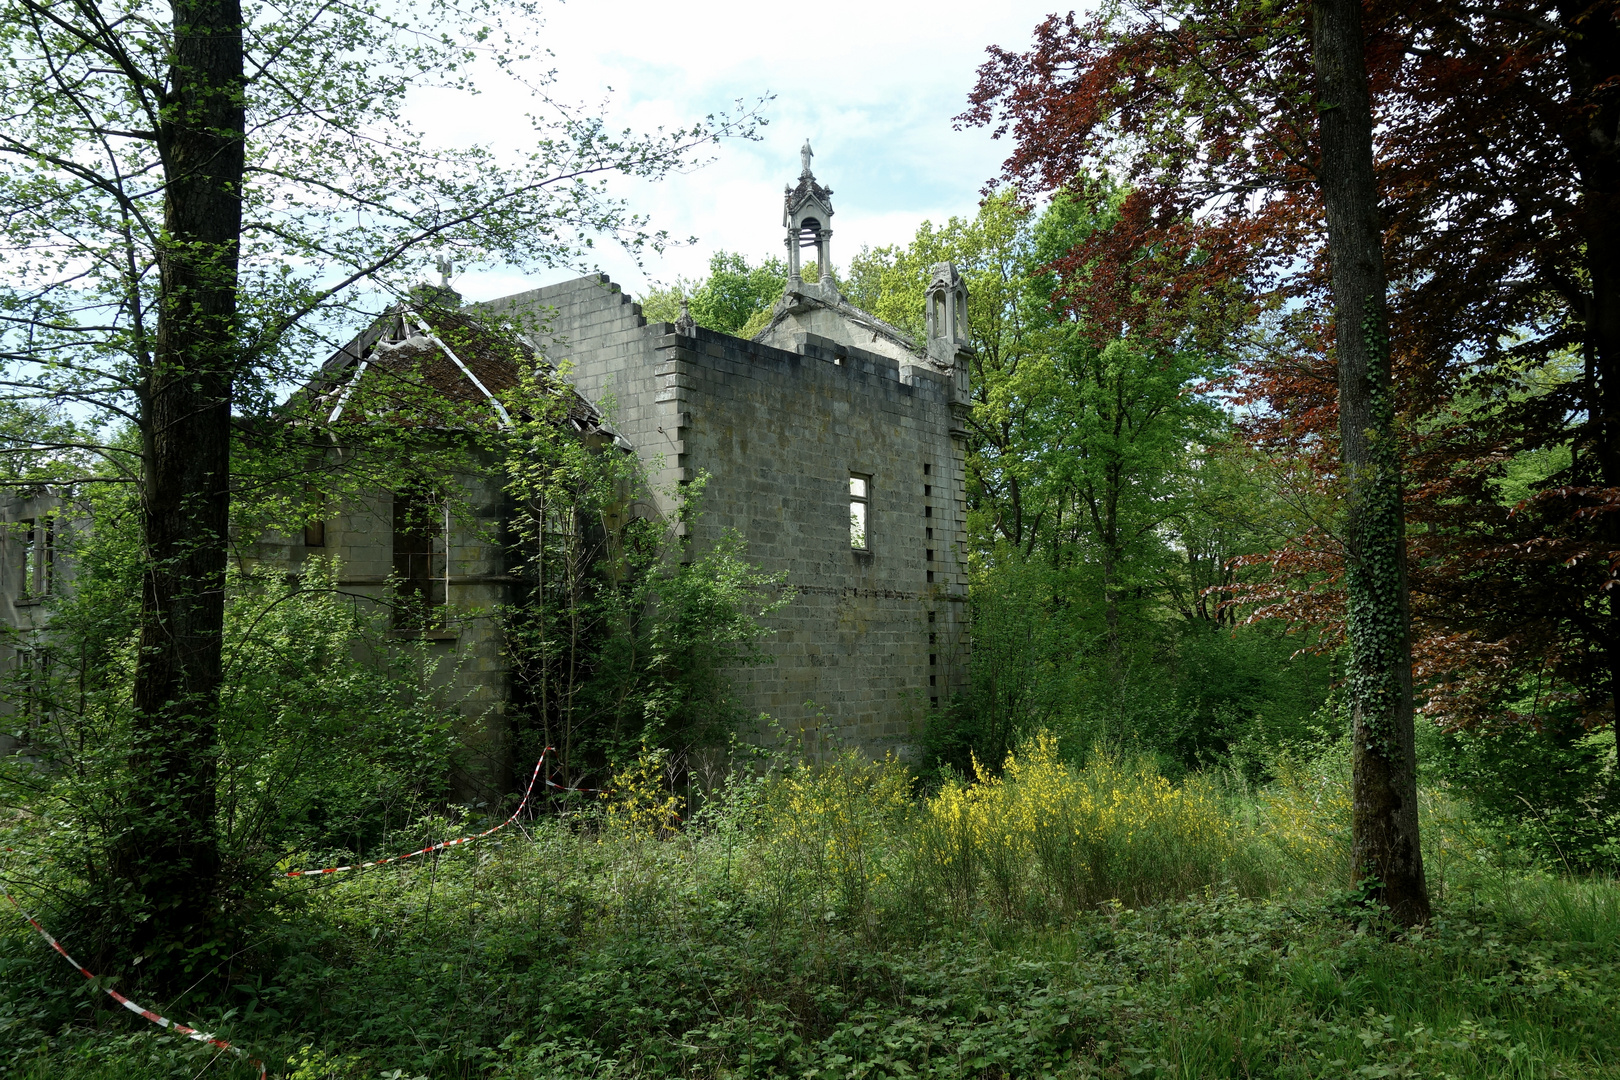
<point>793,302</point>
<point>429,365</point>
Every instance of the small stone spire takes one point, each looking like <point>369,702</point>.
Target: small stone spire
<point>948,331</point>
<point>445,266</point>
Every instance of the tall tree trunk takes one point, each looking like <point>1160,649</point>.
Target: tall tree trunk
<point>169,857</point>
<point>1384,798</point>
<point>1593,62</point>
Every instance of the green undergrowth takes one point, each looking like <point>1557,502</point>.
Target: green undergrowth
<point>806,928</point>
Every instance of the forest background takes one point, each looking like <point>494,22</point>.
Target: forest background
<point>1159,708</point>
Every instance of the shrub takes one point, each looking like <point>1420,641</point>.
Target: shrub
<point>830,829</point>
<point>1046,834</point>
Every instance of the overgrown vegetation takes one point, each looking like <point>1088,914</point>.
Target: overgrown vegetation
<point>1055,919</point>
<point>1123,851</point>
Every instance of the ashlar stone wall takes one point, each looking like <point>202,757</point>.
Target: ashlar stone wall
<point>870,640</point>
<point>460,659</point>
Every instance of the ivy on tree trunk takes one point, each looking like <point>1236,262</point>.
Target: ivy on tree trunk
<point>1385,846</point>
<point>169,855</point>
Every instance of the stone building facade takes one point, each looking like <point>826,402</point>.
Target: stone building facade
<point>788,428</point>
<point>36,534</point>
<point>832,443</point>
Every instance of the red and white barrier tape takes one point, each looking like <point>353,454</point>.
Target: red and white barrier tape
<point>188,1032</point>
<point>442,845</point>
<point>204,1037</point>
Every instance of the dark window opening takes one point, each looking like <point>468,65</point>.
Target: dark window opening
<point>933,680</point>
<point>928,511</point>
<point>933,703</point>
<point>930,616</point>
<point>930,577</point>
<point>927,491</point>
<point>930,554</point>
<point>933,658</point>
<point>419,561</point>
<point>35,697</point>
<point>926,468</point>
<point>315,534</point>
<point>38,568</point>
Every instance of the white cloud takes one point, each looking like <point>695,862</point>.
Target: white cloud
<point>873,85</point>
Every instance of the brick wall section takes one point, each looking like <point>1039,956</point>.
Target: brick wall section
<point>779,432</point>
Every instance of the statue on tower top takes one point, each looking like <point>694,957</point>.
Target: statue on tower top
<point>805,154</point>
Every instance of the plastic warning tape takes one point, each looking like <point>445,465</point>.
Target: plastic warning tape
<point>205,1037</point>
<point>138,1010</point>
<point>579,790</point>
<point>443,844</point>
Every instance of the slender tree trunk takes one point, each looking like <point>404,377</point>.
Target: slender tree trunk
<point>169,857</point>
<point>1384,799</point>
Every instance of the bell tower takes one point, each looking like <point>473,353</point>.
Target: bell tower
<point>807,215</point>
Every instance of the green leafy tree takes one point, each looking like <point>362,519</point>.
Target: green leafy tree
<point>186,191</point>
<point>735,298</point>
<point>1107,497</point>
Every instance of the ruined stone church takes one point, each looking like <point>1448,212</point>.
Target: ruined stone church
<point>833,444</point>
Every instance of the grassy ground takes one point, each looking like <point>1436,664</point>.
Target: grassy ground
<point>1057,922</point>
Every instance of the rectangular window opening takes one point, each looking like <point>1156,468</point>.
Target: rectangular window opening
<point>315,534</point>
<point>926,468</point>
<point>419,561</point>
<point>928,511</point>
<point>860,496</point>
<point>29,557</point>
<point>930,577</point>
<point>38,567</point>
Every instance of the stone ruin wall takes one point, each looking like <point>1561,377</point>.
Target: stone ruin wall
<point>779,433</point>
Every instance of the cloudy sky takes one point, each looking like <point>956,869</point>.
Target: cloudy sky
<point>872,84</point>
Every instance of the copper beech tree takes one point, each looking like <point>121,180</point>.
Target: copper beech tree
<point>1205,114</point>
<point>1493,133</point>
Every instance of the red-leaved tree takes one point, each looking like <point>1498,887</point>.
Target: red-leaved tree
<point>1495,132</point>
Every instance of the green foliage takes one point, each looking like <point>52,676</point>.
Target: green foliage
<point>1548,788</point>
<point>330,736</point>
<point>625,630</point>
<point>1107,498</point>
<point>735,296</point>
<point>815,921</point>
<point>299,695</point>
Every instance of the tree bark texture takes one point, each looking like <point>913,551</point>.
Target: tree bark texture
<point>1385,847</point>
<point>168,858</point>
<point>1593,59</point>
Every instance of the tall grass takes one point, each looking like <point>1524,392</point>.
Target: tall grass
<point>1045,918</point>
